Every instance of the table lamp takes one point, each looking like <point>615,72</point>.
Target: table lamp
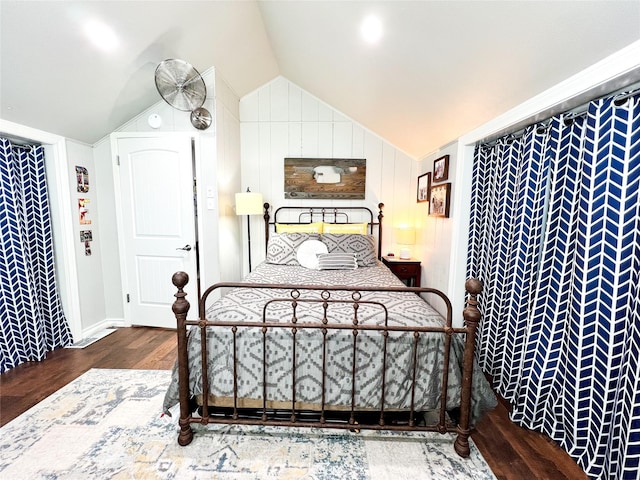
<point>405,236</point>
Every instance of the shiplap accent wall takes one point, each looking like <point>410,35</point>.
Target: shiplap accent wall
<point>434,235</point>
<point>282,120</point>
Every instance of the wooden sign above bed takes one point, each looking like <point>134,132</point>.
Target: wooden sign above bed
<point>325,178</point>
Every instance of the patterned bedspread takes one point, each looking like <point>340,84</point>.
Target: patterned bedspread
<point>404,308</point>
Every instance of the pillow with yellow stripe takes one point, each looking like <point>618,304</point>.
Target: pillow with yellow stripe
<point>354,228</point>
<point>315,227</point>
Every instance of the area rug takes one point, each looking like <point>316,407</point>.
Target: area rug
<point>108,424</point>
<point>85,342</point>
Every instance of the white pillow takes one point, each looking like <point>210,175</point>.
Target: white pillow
<point>307,254</point>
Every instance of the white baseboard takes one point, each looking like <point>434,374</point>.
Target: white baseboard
<point>98,327</point>
<point>115,322</point>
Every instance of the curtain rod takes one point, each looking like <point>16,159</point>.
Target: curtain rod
<point>618,101</point>
<point>18,142</point>
<point>620,96</point>
<point>23,146</point>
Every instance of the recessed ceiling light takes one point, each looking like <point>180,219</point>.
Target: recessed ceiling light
<point>101,35</point>
<point>371,29</point>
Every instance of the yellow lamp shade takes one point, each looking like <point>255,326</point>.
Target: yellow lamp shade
<point>406,235</point>
<point>248,203</point>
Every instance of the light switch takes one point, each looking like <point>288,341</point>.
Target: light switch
<point>211,203</point>
<point>211,192</point>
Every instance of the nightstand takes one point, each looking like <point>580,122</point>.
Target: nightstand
<point>406,270</point>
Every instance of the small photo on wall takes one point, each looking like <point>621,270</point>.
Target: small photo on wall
<point>439,200</point>
<point>424,184</point>
<point>82,179</point>
<point>441,169</point>
<point>83,211</point>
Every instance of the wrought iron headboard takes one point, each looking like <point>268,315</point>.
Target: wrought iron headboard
<point>310,214</point>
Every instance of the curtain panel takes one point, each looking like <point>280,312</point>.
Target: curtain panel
<point>32,322</point>
<point>555,237</point>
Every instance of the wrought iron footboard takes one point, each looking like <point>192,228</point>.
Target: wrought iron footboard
<point>325,414</point>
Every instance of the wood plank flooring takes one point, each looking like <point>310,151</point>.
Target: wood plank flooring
<point>513,453</point>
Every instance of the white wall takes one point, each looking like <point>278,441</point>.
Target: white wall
<point>89,267</point>
<point>108,234</point>
<point>281,120</point>
<point>434,235</point>
<point>227,182</point>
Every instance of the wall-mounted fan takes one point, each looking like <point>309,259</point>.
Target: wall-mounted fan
<point>181,86</point>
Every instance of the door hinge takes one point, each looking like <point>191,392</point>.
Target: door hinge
<point>128,298</point>
<point>118,159</point>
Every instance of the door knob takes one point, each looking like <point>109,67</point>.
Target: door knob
<point>186,247</point>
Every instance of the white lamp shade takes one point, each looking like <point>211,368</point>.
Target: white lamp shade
<point>248,203</point>
<point>406,236</point>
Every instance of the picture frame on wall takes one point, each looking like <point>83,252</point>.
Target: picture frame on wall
<point>424,185</point>
<point>325,178</point>
<point>439,199</point>
<point>441,169</point>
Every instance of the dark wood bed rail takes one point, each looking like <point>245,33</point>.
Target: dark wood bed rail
<point>471,316</point>
<point>324,214</point>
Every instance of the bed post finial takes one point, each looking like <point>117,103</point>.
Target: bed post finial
<point>181,305</point>
<point>474,287</point>
<point>267,218</point>
<point>180,309</point>
<point>472,317</point>
<point>180,279</point>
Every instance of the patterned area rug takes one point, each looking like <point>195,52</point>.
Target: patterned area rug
<point>108,424</point>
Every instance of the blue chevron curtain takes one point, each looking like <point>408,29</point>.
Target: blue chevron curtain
<point>31,319</point>
<point>555,237</point>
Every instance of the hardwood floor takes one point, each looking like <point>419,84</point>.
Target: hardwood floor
<point>512,452</point>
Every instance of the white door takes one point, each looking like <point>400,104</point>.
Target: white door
<point>158,221</point>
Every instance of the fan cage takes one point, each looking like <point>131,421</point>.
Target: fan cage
<point>180,85</point>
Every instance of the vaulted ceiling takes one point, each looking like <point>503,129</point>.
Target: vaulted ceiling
<point>440,68</point>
